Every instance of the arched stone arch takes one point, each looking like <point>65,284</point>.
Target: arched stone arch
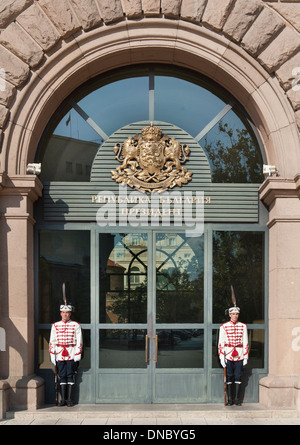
<point>46,52</point>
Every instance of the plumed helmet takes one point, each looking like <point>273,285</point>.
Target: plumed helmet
<point>234,308</point>
<point>65,307</point>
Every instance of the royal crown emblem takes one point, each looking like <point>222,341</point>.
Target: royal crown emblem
<point>151,163</point>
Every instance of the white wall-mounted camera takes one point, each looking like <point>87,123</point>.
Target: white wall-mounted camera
<point>33,169</point>
<point>269,170</point>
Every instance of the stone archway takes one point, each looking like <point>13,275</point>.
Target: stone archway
<point>238,44</point>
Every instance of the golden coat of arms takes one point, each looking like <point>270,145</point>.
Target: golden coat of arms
<point>151,162</point>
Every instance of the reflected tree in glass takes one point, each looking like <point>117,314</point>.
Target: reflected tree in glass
<point>238,260</point>
<point>179,280</point>
<point>64,256</point>
<point>123,278</point>
<point>233,154</point>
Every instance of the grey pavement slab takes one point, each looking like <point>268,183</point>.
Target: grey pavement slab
<point>155,415</point>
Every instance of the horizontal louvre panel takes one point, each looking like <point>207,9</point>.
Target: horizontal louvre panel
<point>68,202</point>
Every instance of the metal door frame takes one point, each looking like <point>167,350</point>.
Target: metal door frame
<point>95,310</point>
<point>201,325</point>
<point>151,324</point>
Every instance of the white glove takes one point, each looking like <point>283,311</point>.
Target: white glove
<point>53,361</point>
<point>223,361</point>
<point>245,361</point>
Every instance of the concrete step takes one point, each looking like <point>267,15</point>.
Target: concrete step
<point>163,411</point>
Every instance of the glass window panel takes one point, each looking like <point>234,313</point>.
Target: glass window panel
<point>74,128</point>
<point>215,358</point>
<point>70,151</point>
<point>180,348</point>
<point>122,348</point>
<point>179,278</point>
<point>123,278</point>
<point>233,152</point>
<point>118,104</point>
<point>256,339</point>
<point>85,362</point>
<point>181,97</point>
<point>64,256</point>
<point>44,361</point>
<point>185,104</point>
<point>238,260</point>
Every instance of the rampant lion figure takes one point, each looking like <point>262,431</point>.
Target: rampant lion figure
<point>151,162</point>
<point>128,151</point>
<point>175,151</point>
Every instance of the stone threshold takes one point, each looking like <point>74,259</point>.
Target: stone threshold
<point>130,411</point>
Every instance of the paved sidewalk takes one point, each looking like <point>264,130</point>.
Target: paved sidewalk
<point>154,415</point>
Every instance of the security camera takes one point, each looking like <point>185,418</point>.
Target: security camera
<point>269,170</point>
<point>33,169</point>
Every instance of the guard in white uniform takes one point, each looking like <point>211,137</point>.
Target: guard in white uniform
<point>233,353</point>
<point>65,349</point>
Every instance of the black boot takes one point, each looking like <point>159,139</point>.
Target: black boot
<point>63,395</point>
<point>237,391</point>
<point>229,394</point>
<point>69,401</point>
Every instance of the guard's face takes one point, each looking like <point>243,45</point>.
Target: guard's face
<point>65,315</point>
<point>234,316</point>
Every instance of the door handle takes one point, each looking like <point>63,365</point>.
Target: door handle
<point>146,349</point>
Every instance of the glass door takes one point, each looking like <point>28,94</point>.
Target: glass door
<point>150,331</point>
<point>123,372</point>
<point>178,324</point>
<point>150,305</point>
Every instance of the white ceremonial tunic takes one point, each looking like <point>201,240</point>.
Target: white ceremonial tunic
<point>66,340</point>
<point>233,341</point>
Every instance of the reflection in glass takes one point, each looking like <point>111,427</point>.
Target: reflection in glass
<point>122,348</point>
<point>68,159</point>
<point>173,94</point>
<point>238,260</point>
<point>233,152</point>
<point>179,278</point>
<point>256,339</point>
<point>256,346</point>
<point>181,97</point>
<point>44,361</point>
<point>126,100</point>
<point>64,256</point>
<point>123,278</point>
<point>180,348</point>
<point>69,152</point>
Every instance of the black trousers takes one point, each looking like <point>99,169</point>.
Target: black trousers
<point>66,371</point>
<point>234,371</point>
